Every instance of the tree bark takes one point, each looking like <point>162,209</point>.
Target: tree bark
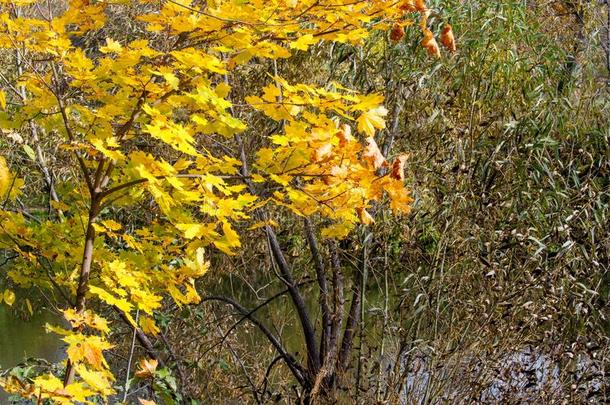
<point>85,272</point>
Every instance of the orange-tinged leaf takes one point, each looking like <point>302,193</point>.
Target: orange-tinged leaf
<point>82,348</point>
<point>364,216</point>
<point>86,318</point>
<point>146,402</point>
<point>322,152</point>
<point>408,6</point>
<point>345,135</point>
<point>147,368</point>
<point>420,5</point>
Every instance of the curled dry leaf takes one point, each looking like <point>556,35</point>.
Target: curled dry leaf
<point>397,33</point>
<point>147,368</point>
<point>372,155</point>
<point>429,42</point>
<point>364,216</point>
<point>420,5</point>
<point>408,6</point>
<point>448,39</point>
<point>322,152</point>
<point>345,135</point>
<point>425,12</point>
<point>146,402</point>
<point>398,168</point>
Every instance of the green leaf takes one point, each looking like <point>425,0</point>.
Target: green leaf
<point>29,151</point>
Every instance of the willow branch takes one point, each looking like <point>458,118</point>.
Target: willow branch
<point>290,361</point>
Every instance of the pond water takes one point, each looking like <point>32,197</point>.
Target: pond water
<point>20,339</point>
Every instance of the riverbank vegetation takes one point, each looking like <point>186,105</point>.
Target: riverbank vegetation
<point>308,201</point>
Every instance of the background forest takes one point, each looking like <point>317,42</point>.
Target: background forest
<point>495,288</point>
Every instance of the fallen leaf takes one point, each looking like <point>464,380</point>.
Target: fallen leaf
<point>345,135</point>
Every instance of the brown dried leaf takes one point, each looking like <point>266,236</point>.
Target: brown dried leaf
<point>447,38</point>
<point>373,155</point>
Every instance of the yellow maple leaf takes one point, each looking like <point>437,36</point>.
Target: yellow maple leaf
<point>122,304</point>
<point>5,177</point>
<point>100,381</point>
<point>87,348</point>
<point>371,120</point>
<point>304,42</point>
<point>148,325</point>
<point>112,46</point>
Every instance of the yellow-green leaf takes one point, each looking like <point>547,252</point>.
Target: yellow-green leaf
<point>9,297</point>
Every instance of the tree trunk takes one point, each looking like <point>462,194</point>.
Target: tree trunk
<point>85,272</point>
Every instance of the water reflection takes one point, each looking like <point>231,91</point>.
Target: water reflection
<point>20,339</point>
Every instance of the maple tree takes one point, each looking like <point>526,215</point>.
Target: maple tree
<point>138,115</point>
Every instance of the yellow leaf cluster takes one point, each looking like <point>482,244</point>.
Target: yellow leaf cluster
<point>145,116</point>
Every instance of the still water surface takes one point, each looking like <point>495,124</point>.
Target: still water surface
<point>20,339</point>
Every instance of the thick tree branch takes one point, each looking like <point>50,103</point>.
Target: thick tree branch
<point>323,297</point>
<point>313,357</point>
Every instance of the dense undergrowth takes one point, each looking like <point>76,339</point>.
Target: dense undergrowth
<point>496,287</point>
